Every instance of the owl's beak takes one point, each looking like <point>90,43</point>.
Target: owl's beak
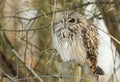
<point>65,25</point>
<point>65,22</point>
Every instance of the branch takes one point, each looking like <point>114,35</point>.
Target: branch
<point>17,56</point>
<point>7,75</point>
<point>61,10</point>
<point>27,66</point>
<point>116,40</point>
<point>32,29</point>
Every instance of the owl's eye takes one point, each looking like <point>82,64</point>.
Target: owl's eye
<point>72,20</point>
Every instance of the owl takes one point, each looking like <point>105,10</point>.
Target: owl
<point>76,39</point>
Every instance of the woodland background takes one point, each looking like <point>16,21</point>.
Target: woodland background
<point>26,49</point>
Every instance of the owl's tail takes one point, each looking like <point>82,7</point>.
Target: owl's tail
<point>91,61</point>
<point>99,71</point>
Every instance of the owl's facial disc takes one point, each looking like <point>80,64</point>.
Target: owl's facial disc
<point>69,19</point>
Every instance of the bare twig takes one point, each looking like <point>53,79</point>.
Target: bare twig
<point>22,61</point>
<point>27,66</point>
<point>116,40</point>
<point>60,10</point>
<point>31,29</point>
<point>7,75</point>
<point>53,16</point>
<point>58,76</point>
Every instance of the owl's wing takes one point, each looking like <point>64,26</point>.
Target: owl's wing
<point>91,42</point>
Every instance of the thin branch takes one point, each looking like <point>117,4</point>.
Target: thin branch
<point>116,40</point>
<point>90,3</point>
<point>22,61</point>
<point>60,10</point>
<point>32,29</point>
<point>27,66</point>
<point>18,17</point>
<point>53,16</point>
<point>58,76</point>
<point>7,75</point>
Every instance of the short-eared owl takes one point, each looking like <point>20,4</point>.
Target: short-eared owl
<point>76,39</point>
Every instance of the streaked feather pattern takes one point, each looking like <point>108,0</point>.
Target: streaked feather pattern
<point>76,39</point>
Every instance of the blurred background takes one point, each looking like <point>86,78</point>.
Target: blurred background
<point>27,53</point>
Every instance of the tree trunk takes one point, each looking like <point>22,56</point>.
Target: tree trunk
<point>110,10</point>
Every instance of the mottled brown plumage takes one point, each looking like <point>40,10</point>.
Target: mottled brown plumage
<point>76,39</point>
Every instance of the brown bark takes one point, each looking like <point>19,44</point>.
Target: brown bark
<point>110,10</point>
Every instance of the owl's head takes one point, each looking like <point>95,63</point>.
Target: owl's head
<point>70,18</point>
<point>72,21</point>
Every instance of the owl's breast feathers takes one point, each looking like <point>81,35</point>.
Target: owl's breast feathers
<point>69,45</point>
